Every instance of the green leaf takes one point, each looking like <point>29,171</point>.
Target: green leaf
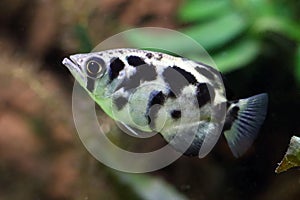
<point>292,156</point>
<point>237,56</point>
<point>218,32</point>
<point>193,11</point>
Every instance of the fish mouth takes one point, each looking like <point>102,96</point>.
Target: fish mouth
<point>71,64</point>
<point>74,68</point>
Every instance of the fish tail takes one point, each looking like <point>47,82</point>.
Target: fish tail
<point>243,120</point>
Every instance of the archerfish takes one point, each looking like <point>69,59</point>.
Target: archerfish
<point>179,98</point>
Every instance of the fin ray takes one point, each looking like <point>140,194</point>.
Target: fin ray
<point>127,129</point>
<point>244,128</point>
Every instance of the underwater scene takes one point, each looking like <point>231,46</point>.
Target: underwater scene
<point>147,100</point>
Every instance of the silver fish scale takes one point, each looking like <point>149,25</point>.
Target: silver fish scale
<point>202,73</point>
<point>134,102</point>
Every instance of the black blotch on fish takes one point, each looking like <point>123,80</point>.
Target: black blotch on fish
<point>135,61</point>
<point>90,84</point>
<point>171,94</point>
<point>143,73</point>
<point>176,114</point>
<point>178,78</point>
<point>205,72</point>
<point>116,66</point>
<point>231,116</point>
<point>204,93</point>
<point>187,75</point>
<point>159,57</point>
<point>148,72</point>
<point>155,98</point>
<point>149,55</point>
<point>120,102</point>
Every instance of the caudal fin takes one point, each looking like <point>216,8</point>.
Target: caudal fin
<point>243,122</point>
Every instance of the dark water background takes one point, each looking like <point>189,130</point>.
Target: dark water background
<point>41,156</point>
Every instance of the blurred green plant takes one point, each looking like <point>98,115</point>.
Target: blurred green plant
<point>236,29</point>
<point>81,32</point>
<point>297,64</point>
<point>147,187</point>
<point>233,31</point>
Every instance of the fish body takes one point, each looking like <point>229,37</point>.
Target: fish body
<point>183,100</point>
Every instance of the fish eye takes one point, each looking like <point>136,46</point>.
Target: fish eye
<point>94,67</point>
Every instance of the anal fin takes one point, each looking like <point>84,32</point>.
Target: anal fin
<point>135,132</point>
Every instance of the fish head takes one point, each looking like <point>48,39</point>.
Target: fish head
<point>88,69</point>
